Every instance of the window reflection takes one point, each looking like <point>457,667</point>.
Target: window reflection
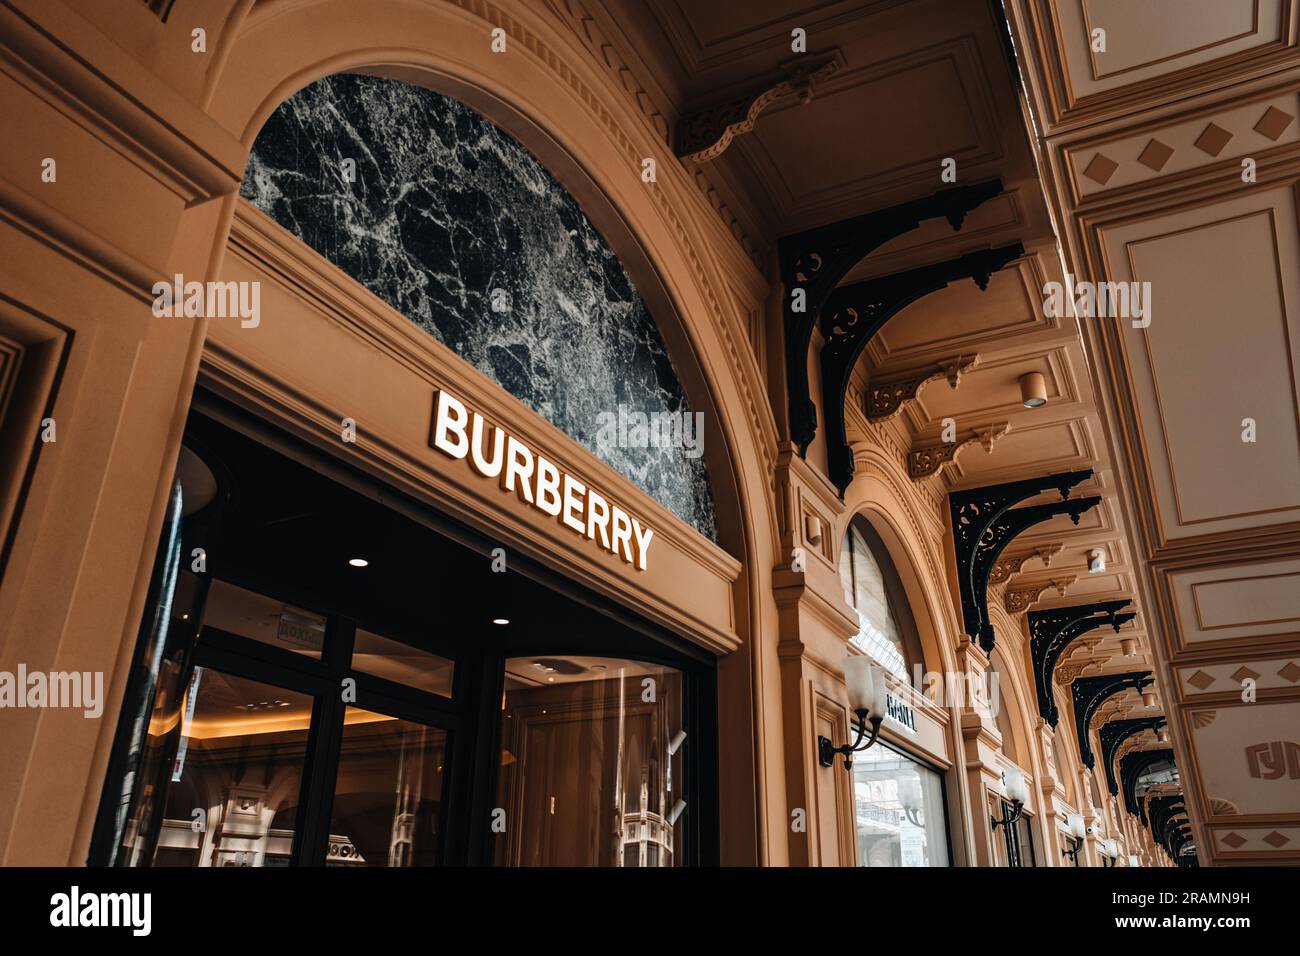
<point>237,611</point>
<point>232,796</point>
<point>591,763</point>
<point>401,663</point>
<point>899,809</point>
<point>388,795</point>
<point>866,590</point>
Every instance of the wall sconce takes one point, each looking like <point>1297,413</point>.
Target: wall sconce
<point>909,795</point>
<point>1162,735</point>
<point>1017,794</point>
<point>1033,390</point>
<point>1109,851</point>
<point>1079,830</point>
<point>866,686</point>
<point>1148,699</point>
<point>1128,646</point>
<point>812,530</point>
<point>1096,561</point>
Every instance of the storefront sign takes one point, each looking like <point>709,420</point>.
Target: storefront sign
<point>900,713</point>
<point>459,432</point>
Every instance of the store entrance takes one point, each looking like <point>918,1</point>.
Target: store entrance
<point>330,673</point>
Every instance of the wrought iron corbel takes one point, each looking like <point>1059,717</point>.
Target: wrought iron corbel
<point>984,523</point>
<point>851,315</point>
<point>1133,765</point>
<point>814,262</point>
<point>1113,734</point>
<point>1051,632</point>
<point>1163,811</point>
<point>1089,693</point>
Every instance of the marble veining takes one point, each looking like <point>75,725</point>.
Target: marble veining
<point>452,222</point>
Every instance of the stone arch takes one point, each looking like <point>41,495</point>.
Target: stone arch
<point>876,494</point>
<point>576,118</point>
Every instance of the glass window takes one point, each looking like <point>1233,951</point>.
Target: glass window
<point>899,807</point>
<point>867,590</point>
<point>388,793</point>
<point>233,609</point>
<point>401,663</point>
<point>591,763</point>
<point>232,796</point>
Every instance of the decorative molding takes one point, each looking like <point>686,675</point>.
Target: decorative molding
<point>852,314</point>
<point>1005,567</point>
<point>984,523</point>
<point>1090,693</point>
<point>813,262</point>
<point>928,459</point>
<point>886,399</point>
<point>705,134</point>
<point>1018,600</point>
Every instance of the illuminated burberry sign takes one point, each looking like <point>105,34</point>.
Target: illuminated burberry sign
<point>459,432</point>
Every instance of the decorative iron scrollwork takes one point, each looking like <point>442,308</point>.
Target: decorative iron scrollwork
<point>1131,767</point>
<point>1051,632</point>
<point>851,315</point>
<point>1089,693</point>
<point>816,260</point>
<point>1113,734</point>
<point>984,523</point>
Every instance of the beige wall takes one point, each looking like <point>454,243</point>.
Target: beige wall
<point>150,146</point>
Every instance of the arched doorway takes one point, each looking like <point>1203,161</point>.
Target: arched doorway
<point>721,606</point>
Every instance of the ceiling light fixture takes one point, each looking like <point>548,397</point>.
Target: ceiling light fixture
<point>1033,390</point>
<point>358,562</point>
<point>500,620</point>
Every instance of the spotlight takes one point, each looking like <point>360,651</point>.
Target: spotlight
<point>1096,561</point>
<point>1128,646</point>
<point>358,562</point>
<point>500,620</point>
<point>1033,390</point>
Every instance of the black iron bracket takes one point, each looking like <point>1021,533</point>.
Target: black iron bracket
<point>1090,693</point>
<point>851,315</point>
<point>1115,733</point>
<point>1131,767</point>
<point>984,523</point>
<point>815,261</point>
<point>1051,632</point>
<point>1161,812</point>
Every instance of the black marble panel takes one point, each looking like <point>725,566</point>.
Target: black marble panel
<point>452,222</point>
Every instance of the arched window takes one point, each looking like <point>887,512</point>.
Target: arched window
<point>457,226</point>
<point>872,588</point>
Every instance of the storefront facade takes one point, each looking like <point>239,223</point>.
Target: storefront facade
<point>734,600</point>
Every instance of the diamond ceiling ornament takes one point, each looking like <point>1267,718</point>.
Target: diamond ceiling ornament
<point>1200,680</point>
<point>1212,139</point>
<point>1273,123</point>
<point>1101,169</point>
<point>1155,155</point>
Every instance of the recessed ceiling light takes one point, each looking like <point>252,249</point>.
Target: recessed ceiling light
<point>500,620</point>
<point>358,562</point>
